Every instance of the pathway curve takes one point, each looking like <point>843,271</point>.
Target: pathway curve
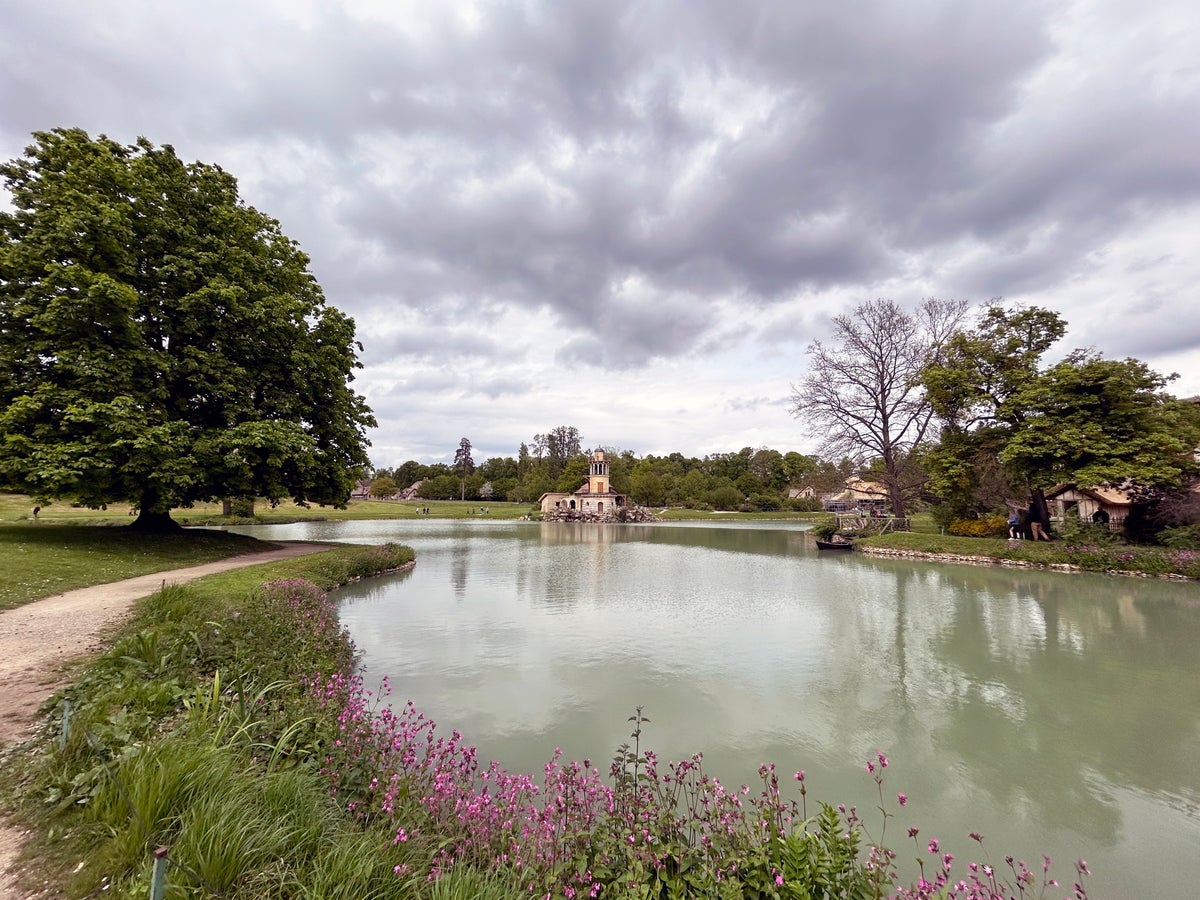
<point>38,639</point>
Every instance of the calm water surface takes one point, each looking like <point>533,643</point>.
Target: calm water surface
<point>1053,713</point>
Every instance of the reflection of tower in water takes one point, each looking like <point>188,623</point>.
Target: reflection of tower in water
<point>569,563</point>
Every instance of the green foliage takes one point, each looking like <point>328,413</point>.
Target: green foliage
<point>1181,537</point>
<point>825,530</point>
<point>1011,426</point>
<point>823,860</point>
<point>1072,530</point>
<point>442,487</point>
<point>647,486</point>
<point>241,507</point>
<point>1090,420</point>
<point>384,486</point>
<point>464,465</point>
<point>574,473</point>
<point>190,732</point>
<point>980,371</point>
<point>162,342</point>
<point>724,495</point>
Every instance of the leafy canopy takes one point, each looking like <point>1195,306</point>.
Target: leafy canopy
<point>160,341</point>
<point>1091,420</point>
<point>1085,420</point>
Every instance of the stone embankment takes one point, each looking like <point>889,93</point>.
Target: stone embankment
<point>1007,563</point>
<point>620,514</point>
<point>962,558</point>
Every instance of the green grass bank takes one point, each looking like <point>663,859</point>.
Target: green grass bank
<point>1058,555</point>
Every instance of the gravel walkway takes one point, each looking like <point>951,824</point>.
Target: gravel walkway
<point>39,639</point>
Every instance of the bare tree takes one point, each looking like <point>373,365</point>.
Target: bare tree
<point>864,396</point>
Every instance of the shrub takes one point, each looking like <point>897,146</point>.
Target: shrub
<point>805,504</point>
<point>242,507</point>
<point>1078,531</point>
<point>825,530</point>
<point>1181,537</point>
<point>944,516</point>
<point>989,526</point>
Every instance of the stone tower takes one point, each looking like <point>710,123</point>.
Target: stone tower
<point>598,473</point>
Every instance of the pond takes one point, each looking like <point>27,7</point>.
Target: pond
<point>1052,712</point>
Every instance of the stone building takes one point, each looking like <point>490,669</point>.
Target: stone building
<point>595,497</point>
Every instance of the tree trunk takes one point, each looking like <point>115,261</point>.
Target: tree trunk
<point>1037,501</point>
<point>155,522</point>
<point>892,478</point>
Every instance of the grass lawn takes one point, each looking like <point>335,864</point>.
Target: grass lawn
<point>676,513</point>
<point>39,559</point>
<point>19,508</point>
<point>210,513</point>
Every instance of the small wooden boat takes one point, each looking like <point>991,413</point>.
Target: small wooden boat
<point>834,545</point>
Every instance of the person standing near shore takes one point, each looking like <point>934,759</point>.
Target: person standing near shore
<point>1014,523</point>
<point>1037,524</point>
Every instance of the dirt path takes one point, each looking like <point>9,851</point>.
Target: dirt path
<point>38,639</point>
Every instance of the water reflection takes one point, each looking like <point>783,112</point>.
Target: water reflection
<point>1054,712</point>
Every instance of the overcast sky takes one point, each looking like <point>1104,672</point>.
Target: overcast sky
<point>634,217</point>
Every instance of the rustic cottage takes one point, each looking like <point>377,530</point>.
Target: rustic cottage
<point>1068,500</point>
<point>857,495</point>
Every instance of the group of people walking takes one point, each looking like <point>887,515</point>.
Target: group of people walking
<point>1031,517</point>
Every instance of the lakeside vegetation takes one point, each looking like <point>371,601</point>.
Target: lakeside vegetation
<point>227,724</point>
<point>1079,554</point>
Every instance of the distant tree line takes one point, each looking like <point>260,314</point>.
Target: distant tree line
<point>749,479</point>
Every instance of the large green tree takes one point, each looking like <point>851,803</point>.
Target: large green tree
<point>975,380</point>
<point>161,342</point>
<point>1091,420</point>
<point>1087,419</point>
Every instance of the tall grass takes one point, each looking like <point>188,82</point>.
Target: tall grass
<point>184,734</point>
